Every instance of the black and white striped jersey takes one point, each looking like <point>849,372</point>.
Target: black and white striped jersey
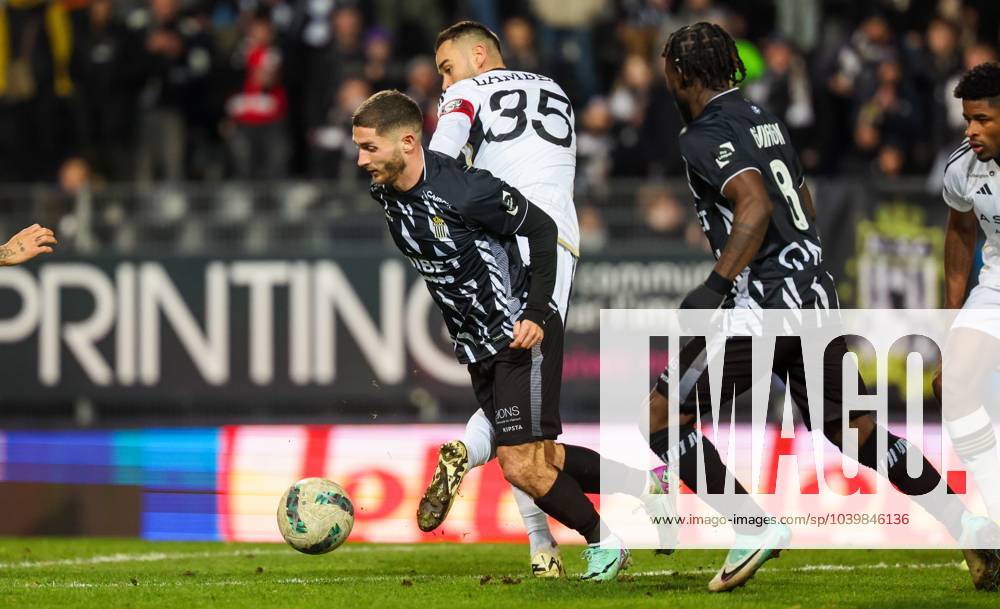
<point>733,135</point>
<point>457,227</point>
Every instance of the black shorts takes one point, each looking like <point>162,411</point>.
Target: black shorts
<point>518,389</point>
<point>695,393</point>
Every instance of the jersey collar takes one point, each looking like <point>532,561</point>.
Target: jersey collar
<point>718,95</point>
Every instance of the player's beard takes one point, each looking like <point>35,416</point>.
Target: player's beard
<point>392,168</point>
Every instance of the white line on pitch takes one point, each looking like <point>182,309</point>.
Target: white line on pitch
<point>419,578</point>
<point>122,557</point>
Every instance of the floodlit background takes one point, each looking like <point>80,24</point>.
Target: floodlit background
<point>224,301</point>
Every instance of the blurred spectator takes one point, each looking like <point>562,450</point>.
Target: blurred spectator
<point>175,60</point>
<point>646,122</point>
<point>693,11</point>
<point>593,232</point>
<point>519,50</point>
<point>891,117</point>
<point>486,12</point>
<point>36,128</point>
<point>59,204</point>
<point>852,80</point>
<point>564,31</point>
<point>258,144</point>
<point>798,21</point>
<point>643,25</point>
<point>888,86</point>
<point>380,69</point>
<point>890,161</point>
<point>308,37</point>
<point>858,60</point>
<point>416,22</point>
<point>785,90</point>
<point>343,58</point>
<point>594,145</point>
<point>108,102</point>
<point>332,151</point>
<point>424,86</point>
<point>662,214</point>
<point>937,60</point>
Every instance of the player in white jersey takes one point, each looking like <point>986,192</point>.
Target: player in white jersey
<point>972,353</point>
<point>519,126</point>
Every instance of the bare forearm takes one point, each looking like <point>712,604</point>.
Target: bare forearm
<point>959,251</point>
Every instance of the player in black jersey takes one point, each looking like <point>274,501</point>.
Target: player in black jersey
<point>757,212</point>
<point>458,226</point>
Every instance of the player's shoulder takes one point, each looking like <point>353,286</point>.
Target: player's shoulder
<point>960,159</point>
<point>463,89</point>
<point>705,133</point>
<point>960,167</point>
<point>442,168</point>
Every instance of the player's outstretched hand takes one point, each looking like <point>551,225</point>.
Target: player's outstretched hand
<point>27,244</point>
<point>527,334</point>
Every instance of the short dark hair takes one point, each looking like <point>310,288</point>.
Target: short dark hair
<point>706,53</point>
<point>388,110</point>
<point>467,28</point>
<point>981,82</point>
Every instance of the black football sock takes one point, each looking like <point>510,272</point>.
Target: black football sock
<point>585,466</point>
<point>947,508</point>
<point>566,503</point>
<point>685,456</point>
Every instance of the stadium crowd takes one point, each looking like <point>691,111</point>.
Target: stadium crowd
<point>193,90</point>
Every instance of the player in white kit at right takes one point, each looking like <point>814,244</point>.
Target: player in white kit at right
<point>972,354</point>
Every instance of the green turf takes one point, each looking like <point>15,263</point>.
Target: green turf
<point>109,573</point>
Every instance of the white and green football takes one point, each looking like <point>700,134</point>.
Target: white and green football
<point>315,516</point>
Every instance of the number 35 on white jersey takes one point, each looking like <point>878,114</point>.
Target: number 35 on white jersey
<point>519,127</point>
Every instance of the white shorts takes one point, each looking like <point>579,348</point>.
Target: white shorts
<point>565,271</point>
<point>981,311</point>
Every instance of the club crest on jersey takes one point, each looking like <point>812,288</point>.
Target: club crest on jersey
<point>454,104</point>
<point>509,203</point>
<point>724,154</point>
<point>440,228</point>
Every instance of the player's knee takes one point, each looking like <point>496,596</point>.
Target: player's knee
<point>518,463</point>
<point>555,454</point>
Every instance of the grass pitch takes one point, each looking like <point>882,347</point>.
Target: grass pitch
<point>105,573</point>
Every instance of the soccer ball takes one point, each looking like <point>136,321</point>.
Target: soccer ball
<point>315,516</point>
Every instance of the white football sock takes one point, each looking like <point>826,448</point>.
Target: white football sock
<point>535,522</point>
<point>975,442</point>
<point>478,439</point>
